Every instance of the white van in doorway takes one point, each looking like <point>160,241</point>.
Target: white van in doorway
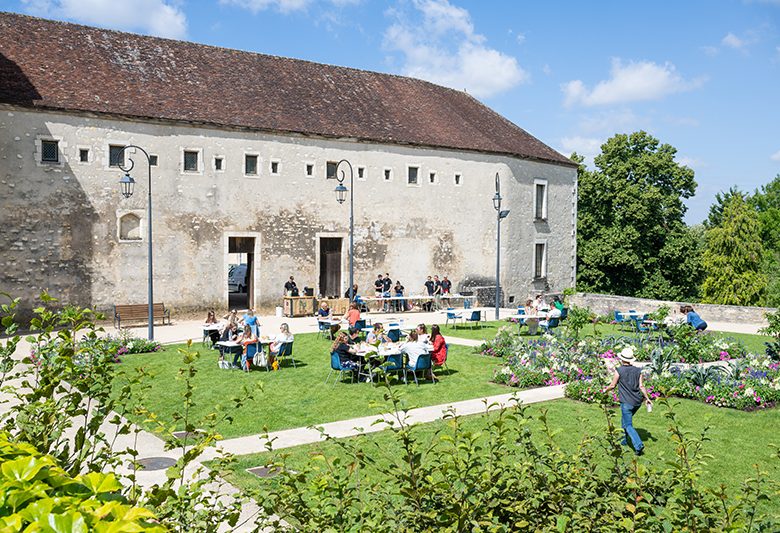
<point>237,278</point>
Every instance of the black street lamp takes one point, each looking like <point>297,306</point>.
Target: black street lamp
<point>499,215</point>
<point>127,184</point>
<point>341,196</point>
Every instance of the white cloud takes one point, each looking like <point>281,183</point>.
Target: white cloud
<point>587,147</point>
<point>520,38</point>
<point>445,48</point>
<point>710,50</point>
<point>732,41</point>
<point>255,6</point>
<point>163,18</point>
<point>611,121</point>
<point>775,156</point>
<point>691,162</point>
<point>546,69</point>
<point>630,82</point>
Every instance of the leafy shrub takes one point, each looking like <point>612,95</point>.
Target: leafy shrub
<point>500,478</point>
<point>38,495</point>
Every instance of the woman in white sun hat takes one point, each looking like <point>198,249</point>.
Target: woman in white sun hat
<point>631,388</point>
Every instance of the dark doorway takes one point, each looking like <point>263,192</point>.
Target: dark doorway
<point>241,274</point>
<point>330,266</point>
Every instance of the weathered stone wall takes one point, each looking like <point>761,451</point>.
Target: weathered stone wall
<point>607,303</point>
<point>59,223</point>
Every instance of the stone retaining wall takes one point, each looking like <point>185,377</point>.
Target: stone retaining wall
<point>606,303</point>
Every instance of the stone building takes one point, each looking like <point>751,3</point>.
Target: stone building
<point>242,147</point>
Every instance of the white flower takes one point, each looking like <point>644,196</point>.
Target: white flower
<point>748,392</point>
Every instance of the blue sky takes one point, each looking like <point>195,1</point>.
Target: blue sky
<point>703,76</point>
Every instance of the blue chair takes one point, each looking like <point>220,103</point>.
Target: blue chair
<point>335,364</point>
<point>394,334</point>
<point>564,312</point>
<point>476,318</point>
<point>466,303</point>
<point>322,327</point>
<point>423,363</point>
<point>394,363</point>
<point>286,350</point>
<point>360,324</point>
<point>452,315</point>
<point>547,325</point>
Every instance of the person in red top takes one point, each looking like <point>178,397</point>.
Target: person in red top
<point>353,314</point>
<point>439,353</point>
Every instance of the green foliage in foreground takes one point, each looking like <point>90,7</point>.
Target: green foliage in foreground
<point>38,495</point>
<point>499,474</point>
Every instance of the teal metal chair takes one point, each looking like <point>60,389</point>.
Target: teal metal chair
<point>423,363</point>
<point>286,350</point>
<point>475,318</point>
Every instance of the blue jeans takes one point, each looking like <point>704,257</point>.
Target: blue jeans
<point>627,413</point>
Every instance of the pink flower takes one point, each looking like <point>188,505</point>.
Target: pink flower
<point>724,356</point>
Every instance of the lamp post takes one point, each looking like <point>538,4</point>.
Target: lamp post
<point>127,183</point>
<point>341,196</point>
<point>499,215</point>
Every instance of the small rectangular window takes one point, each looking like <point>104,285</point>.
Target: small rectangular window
<point>116,155</point>
<point>411,176</point>
<point>388,174</point>
<point>50,151</point>
<point>330,169</point>
<point>539,261</point>
<point>361,173</point>
<point>218,161</point>
<point>274,167</point>
<point>458,179</point>
<point>190,161</point>
<point>84,155</point>
<point>153,160</point>
<point>309,170</point>
<point>431,177</point>
<point>540,200</point>
<point>250,165</point>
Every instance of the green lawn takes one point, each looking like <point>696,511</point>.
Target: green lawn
<point>737,439</point>
<point>296,397</point>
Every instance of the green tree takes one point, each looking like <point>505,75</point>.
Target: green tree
<point>766,201</point>
<point>733,257</point>
<point>715,215</point>
<point>631,236</point>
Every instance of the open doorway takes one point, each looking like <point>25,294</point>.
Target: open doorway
<point>241,263</point>
<point>330,266</point>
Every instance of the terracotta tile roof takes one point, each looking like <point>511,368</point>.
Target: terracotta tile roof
<point>56,65</point>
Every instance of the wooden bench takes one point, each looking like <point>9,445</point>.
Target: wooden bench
<point>140,313</point>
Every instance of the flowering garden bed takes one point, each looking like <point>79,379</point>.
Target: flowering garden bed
<point>741,380</point>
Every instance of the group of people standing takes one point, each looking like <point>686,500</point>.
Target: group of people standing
<point>385,288</point>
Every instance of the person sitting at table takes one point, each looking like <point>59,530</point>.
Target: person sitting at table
<point>353,314</point>
<point>247,337</point>
<point>346,353</point>
<point>692,318</point>
<point>377,335</point>
<point>439,350</point>
<point>283,337</point>
<point>557,303</point>
<point>540,305</point>
<point>413,349</point>
<point>532,323</point>
<point>230,333</point>
<point>551,313</point>
<point>422,333</point>
<point>231,317</point>
<point>353,335</point>
<point>211,319</point>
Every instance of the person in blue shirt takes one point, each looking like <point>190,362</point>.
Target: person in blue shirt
<point>693,318</point>
<point>249,319</point>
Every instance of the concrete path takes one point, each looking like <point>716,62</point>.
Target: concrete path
<point>367,424</point>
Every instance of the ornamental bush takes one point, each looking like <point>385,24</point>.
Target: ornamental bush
<point>501,477</point>
<point>38,495</point>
